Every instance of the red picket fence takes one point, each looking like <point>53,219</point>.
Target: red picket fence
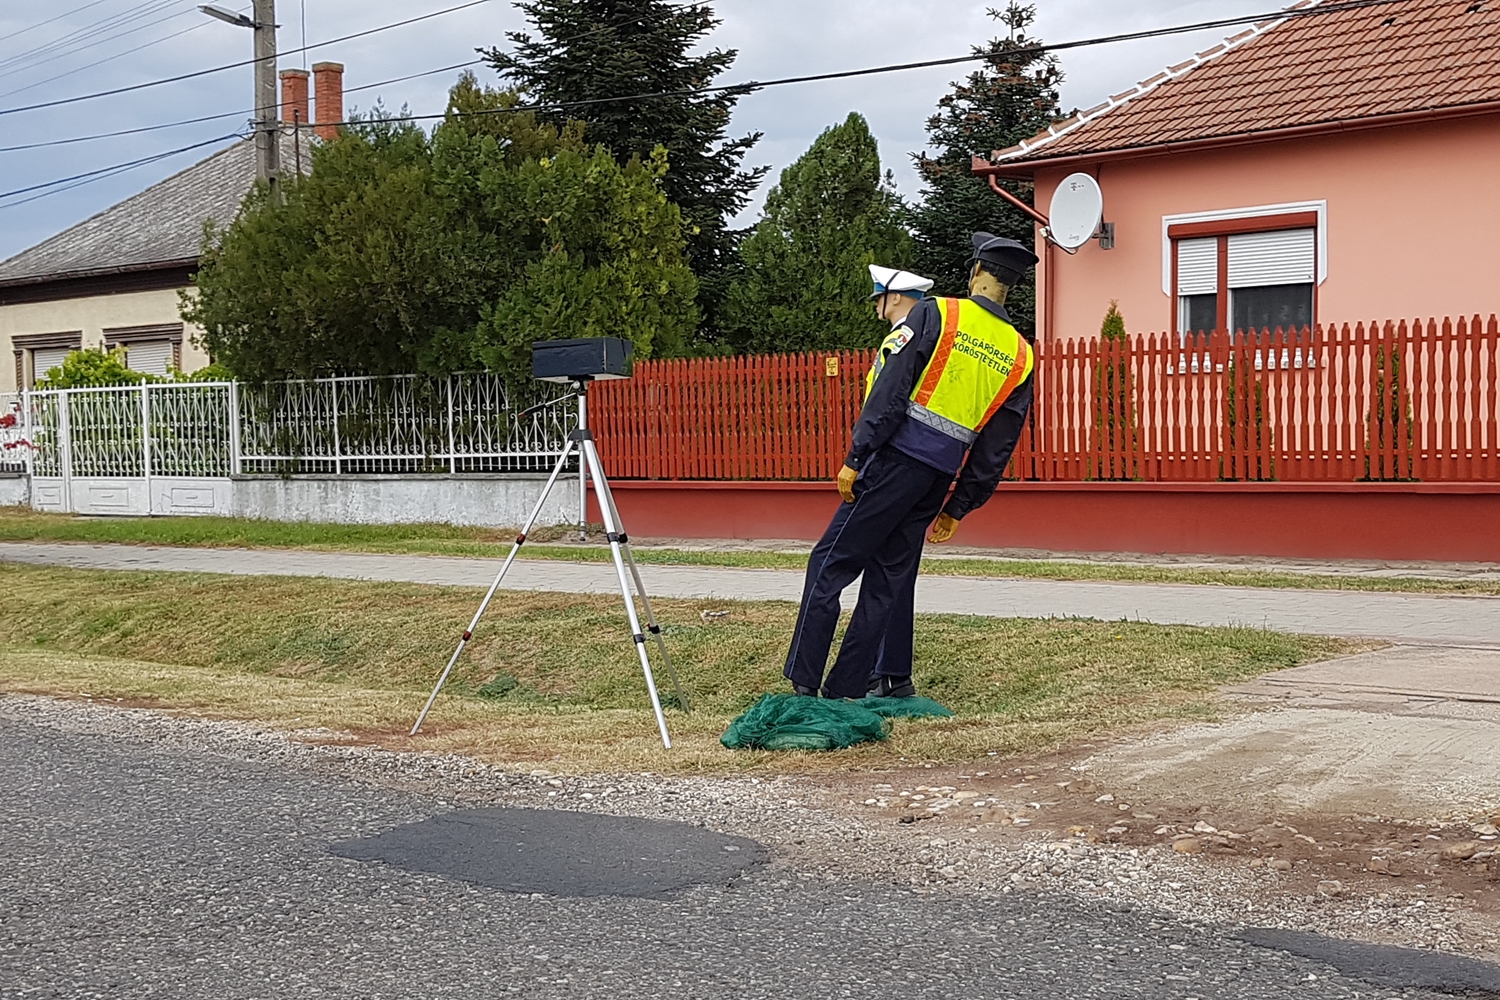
<point>1379,402</point>
<point>776,417</point>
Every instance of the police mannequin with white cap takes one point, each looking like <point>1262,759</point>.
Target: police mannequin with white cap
<point>896,293</point>
<point>948,397</point>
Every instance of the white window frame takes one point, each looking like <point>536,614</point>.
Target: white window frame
<point>1230,214</point>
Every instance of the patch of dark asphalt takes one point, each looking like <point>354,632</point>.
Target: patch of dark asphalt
<point>560,853</point>
<point>1384,965</point>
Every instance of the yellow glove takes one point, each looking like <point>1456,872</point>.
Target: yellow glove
<point>847,476</point>
<point>943,529</point>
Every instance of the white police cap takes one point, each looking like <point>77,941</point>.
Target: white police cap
<point>889,279</point>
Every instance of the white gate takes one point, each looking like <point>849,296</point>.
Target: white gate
<point>139,449</point>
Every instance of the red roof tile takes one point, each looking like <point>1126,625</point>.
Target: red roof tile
<point>1392,58</point>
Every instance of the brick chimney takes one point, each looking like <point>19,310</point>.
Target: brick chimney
<point>328,84</point>
<point>294,106</point>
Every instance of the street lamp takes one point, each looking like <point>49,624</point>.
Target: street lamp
<point>267,132</point>
<point>227,16</point>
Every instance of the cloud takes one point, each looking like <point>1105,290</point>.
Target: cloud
<point>775,38</point>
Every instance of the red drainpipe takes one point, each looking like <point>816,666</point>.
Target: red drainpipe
<point>1045,334</point>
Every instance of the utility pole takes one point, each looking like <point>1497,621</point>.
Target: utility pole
<point>267,107</point>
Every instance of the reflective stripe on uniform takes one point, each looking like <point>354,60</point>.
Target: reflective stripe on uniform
<point>1017,375</point>
<point>939,363</point>
<point>916,411</point>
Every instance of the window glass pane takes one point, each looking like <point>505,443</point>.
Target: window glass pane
<point>1289,307</point>
<point>1199,313</point>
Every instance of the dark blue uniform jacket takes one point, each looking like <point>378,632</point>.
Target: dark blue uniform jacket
<point>883,421</point>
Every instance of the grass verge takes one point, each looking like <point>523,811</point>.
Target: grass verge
<point>565,689</point>
<point>23,525</point>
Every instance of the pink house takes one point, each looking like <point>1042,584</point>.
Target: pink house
<point>1323,167</point>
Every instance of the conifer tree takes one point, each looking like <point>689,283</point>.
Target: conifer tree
<point>1011,97</point>
<point>804,282</point>
<point>601,50</point>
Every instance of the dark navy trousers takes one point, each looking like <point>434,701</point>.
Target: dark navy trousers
<point>879,536</point>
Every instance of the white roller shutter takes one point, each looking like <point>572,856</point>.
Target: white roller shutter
<point>1283,257</point>
<point>44,359</point>
<point>151,357</point>
<point>1198,266</point>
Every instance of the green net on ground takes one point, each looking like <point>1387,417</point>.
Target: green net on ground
<point>906,708</point>
<point>793,722</point>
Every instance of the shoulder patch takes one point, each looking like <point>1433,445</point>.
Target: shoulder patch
<point>898,339</point>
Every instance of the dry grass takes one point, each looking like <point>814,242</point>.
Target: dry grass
<point>359,657</point>
<point>19,524</point>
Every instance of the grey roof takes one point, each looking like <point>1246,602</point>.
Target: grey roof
<point>160,226</point>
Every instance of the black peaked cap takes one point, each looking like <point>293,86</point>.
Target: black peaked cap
<point>1004,258</point>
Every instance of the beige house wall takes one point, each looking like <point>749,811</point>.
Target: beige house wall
<point>92,316</point>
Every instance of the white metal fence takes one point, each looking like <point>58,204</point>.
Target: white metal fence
<point>342,426</point>
<point>13,443</point>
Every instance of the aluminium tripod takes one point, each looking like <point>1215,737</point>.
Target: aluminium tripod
<point>582,440</point>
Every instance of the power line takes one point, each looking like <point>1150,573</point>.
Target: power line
<point>220,117</point>
<point>123,132</point>
<point>114,171</point>
<point>753,85</point>
<point>750,86</point>
<point>352,90</point>
<point>85,31</point>
<point>69,183</point>
<point>59,17</point>
<point>116,168</point>
<point>88,36</point>
<point>236,65</point>
<point>100,62</point>
<point>414,76</point>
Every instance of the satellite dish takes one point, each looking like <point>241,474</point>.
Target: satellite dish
<point>1077,210</point>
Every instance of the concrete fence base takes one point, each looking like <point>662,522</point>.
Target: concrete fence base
<point>15,491</point>
<point>498,501</point>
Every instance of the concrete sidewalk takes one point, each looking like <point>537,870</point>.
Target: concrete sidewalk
<point>1411,618</point>
<point>1403,732</point>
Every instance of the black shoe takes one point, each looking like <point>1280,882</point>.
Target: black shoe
<point>805,692</point>
<point>892,687</point>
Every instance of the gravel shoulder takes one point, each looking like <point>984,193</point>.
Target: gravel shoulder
<point>1031,830</point>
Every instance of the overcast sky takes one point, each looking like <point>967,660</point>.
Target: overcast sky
<point>774,38</point>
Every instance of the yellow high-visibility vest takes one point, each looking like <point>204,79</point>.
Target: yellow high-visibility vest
<point>979,361</point>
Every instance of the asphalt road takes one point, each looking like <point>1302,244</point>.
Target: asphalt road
<point>132,868</point>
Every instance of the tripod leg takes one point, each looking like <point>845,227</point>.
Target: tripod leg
<point>583,473</point>
<point>612,528</point>
<point>583,499</point>
<point>536,512</point>
<point>608,496</point>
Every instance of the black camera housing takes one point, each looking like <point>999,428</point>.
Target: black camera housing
<point>581,360</point>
